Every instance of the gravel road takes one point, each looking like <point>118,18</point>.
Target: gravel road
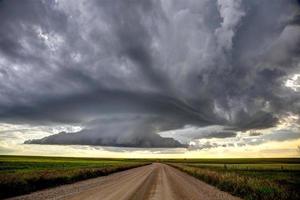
<point>155,181</point>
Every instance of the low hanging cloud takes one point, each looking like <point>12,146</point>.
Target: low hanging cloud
<point>190,133</point>
<point>148,67</point>
<point>129,132</point>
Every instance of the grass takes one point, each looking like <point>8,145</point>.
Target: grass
<point>251,179</point>
<point>265,179</point>
<point>24,174</point>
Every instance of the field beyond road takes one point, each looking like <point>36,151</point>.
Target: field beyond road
<point>263,178</point>
<point>156,181</point>
<point>249,179</point>
<point>23,174</point>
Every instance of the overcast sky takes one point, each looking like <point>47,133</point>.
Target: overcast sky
<point>185,76</point>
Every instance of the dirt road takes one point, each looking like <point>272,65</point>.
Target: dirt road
<point>155,181</point>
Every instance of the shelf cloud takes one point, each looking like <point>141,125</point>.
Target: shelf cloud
<point>126,70</point>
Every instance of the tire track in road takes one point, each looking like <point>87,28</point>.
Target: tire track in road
<point>152,182</point>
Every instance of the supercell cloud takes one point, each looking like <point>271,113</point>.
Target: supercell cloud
<point>157,73</point>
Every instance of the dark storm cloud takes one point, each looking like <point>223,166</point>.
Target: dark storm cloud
<point>276,136</point>
<point>129,132</point>
<point>224,134</point>
<point>174,63</point>
<point>282,135</point>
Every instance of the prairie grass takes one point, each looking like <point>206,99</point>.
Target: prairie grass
<point>251,182</point>
<point>20,175</point>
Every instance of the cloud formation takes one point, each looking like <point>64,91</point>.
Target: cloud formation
<point>123,132</point>
<point>127,70</point>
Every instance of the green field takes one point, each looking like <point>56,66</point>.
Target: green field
<point>266,179</point>
<point>24,174</point>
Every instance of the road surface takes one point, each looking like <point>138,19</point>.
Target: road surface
<point>151,182</point>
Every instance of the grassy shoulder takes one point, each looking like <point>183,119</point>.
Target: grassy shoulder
<point>24,174</point>
<point>264,180</point>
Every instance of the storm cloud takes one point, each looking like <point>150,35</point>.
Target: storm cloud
<point>126,70</point>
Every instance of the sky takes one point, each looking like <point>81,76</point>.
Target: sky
<point>155,78</point>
